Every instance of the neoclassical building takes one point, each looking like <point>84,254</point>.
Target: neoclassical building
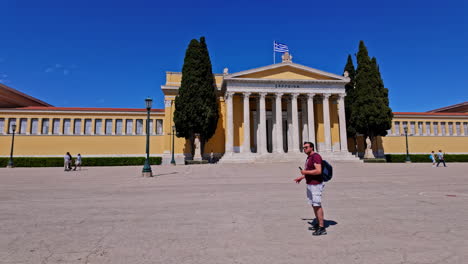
<point>266,114</point>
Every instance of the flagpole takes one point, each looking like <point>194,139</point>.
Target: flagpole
<point>274,57</point>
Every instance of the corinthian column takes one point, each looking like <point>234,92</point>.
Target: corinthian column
<point>326,122</point>
<point>246,143</point>
<point>262,126</point>
<point>310,118</point>
<point>342,118</point>
<point>295,123</point>
<point>229,123</point>
<point>279,124</point>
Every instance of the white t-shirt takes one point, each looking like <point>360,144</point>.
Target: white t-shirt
<point>67,158</point>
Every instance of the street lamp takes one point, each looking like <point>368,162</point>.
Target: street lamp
<point>408,160</point>
<point>173,135</point>
<point>147,168</point>
<point>10,162</point>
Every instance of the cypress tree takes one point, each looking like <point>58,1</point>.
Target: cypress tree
<point>196,107</point>
<point>370,111</point>
<point>349,99</point>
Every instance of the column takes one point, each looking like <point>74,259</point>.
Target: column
<point>39,126</point>
<point>246,143</point>
<point>28,126</point>
<point>342,119</point>
<point>305,125</point>
<point>93,123</point>
<point>279,124</point>
<point>255,124</point>
<point>229,123</point>
<point>60,126</point>
<point>326,122</point>
<point>289,122</point>
<point>262,125</point>
<point>310,118</point>
<point>113,126</point>
<point>295,123</point>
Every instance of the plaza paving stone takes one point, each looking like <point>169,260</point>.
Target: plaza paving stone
<point>233,213</point>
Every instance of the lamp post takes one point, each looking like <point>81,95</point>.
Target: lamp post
<point>408,160</point>
<point>173,135</point>
<point>10,162</point>
<point>147,168</point>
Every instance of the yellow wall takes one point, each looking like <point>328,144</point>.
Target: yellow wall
<point>425,144</point>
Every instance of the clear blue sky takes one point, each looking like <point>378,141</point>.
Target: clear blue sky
<point>115,53</point>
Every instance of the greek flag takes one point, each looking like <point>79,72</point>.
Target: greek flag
<point>279,47</point>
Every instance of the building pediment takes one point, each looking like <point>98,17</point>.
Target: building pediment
<point>286,71</point>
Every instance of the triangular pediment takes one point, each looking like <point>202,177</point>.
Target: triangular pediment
<point>287,71</point>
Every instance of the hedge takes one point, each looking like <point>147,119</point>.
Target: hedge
<point>89,161</point>
<point>425,158</point>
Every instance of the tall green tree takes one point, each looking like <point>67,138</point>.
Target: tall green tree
<point>349,99</point>
<point>370,113</point>
<point>196,106</point>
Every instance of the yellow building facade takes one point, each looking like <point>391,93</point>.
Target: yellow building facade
<point>265,115</point>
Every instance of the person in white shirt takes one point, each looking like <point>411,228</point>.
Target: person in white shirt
<point>66,161</point>
<point>78,161</point>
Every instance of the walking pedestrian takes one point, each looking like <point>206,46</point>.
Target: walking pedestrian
<point>66,161</point>
<point>313,175</point>
<point>78,161</point>
<point>440,158</point>
<point>70,158</point>
<point>433,158</point>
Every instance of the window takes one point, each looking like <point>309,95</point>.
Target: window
<point>77,129</point>
<point>129,127</point>
<point>98,127</point>
<point>139,126</point>
<point>108,126</point>
<point>159,126</point>
<point>443,128</point>
<point>458,128</point>
<point>2,125</point>
<point>151,127</point>
<point>412,128</point>
<point>11,122</point>
<point>428,128</point>
<point>56,126</point>
<point>397,128</point>
<point>88,126</point>
<point>465,128</point>
<point>420,128</point>
<point>450,128</point>
<point>34,126</point>
<point>23,125</point>
<point>66,126</point>
<point>405,125</point>
<point>45,126</point>
<point>118,127</point>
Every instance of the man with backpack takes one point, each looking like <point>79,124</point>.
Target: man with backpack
<point>313,175</point>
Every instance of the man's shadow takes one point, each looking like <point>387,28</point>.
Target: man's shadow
<point>326,223</point>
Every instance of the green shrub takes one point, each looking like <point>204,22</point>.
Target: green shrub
<point>425,158</point>
<point>86,161</point>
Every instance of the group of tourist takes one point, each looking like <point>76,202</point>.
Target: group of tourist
<point>439,158</point>
<point>69,161</point>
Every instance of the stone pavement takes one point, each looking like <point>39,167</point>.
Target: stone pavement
<point>233,213</point>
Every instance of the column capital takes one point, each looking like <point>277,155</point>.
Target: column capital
<point>341,96</point>
<point>279,95</point>
<point>310,95</point>
<point>246,94</point>
<point>295,95</point>
<point>326,95</point>
<point>228,95</point>
<point>263,95</point>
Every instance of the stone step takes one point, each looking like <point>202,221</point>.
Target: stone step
<point>286,157</point>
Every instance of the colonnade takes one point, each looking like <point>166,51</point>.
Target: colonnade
<point>278,136</point>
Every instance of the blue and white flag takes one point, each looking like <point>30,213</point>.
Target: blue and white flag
<point>279,47</point>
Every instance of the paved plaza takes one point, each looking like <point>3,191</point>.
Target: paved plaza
<point>233,213</point>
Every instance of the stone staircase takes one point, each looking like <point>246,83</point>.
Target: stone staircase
<point>285,157</point>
